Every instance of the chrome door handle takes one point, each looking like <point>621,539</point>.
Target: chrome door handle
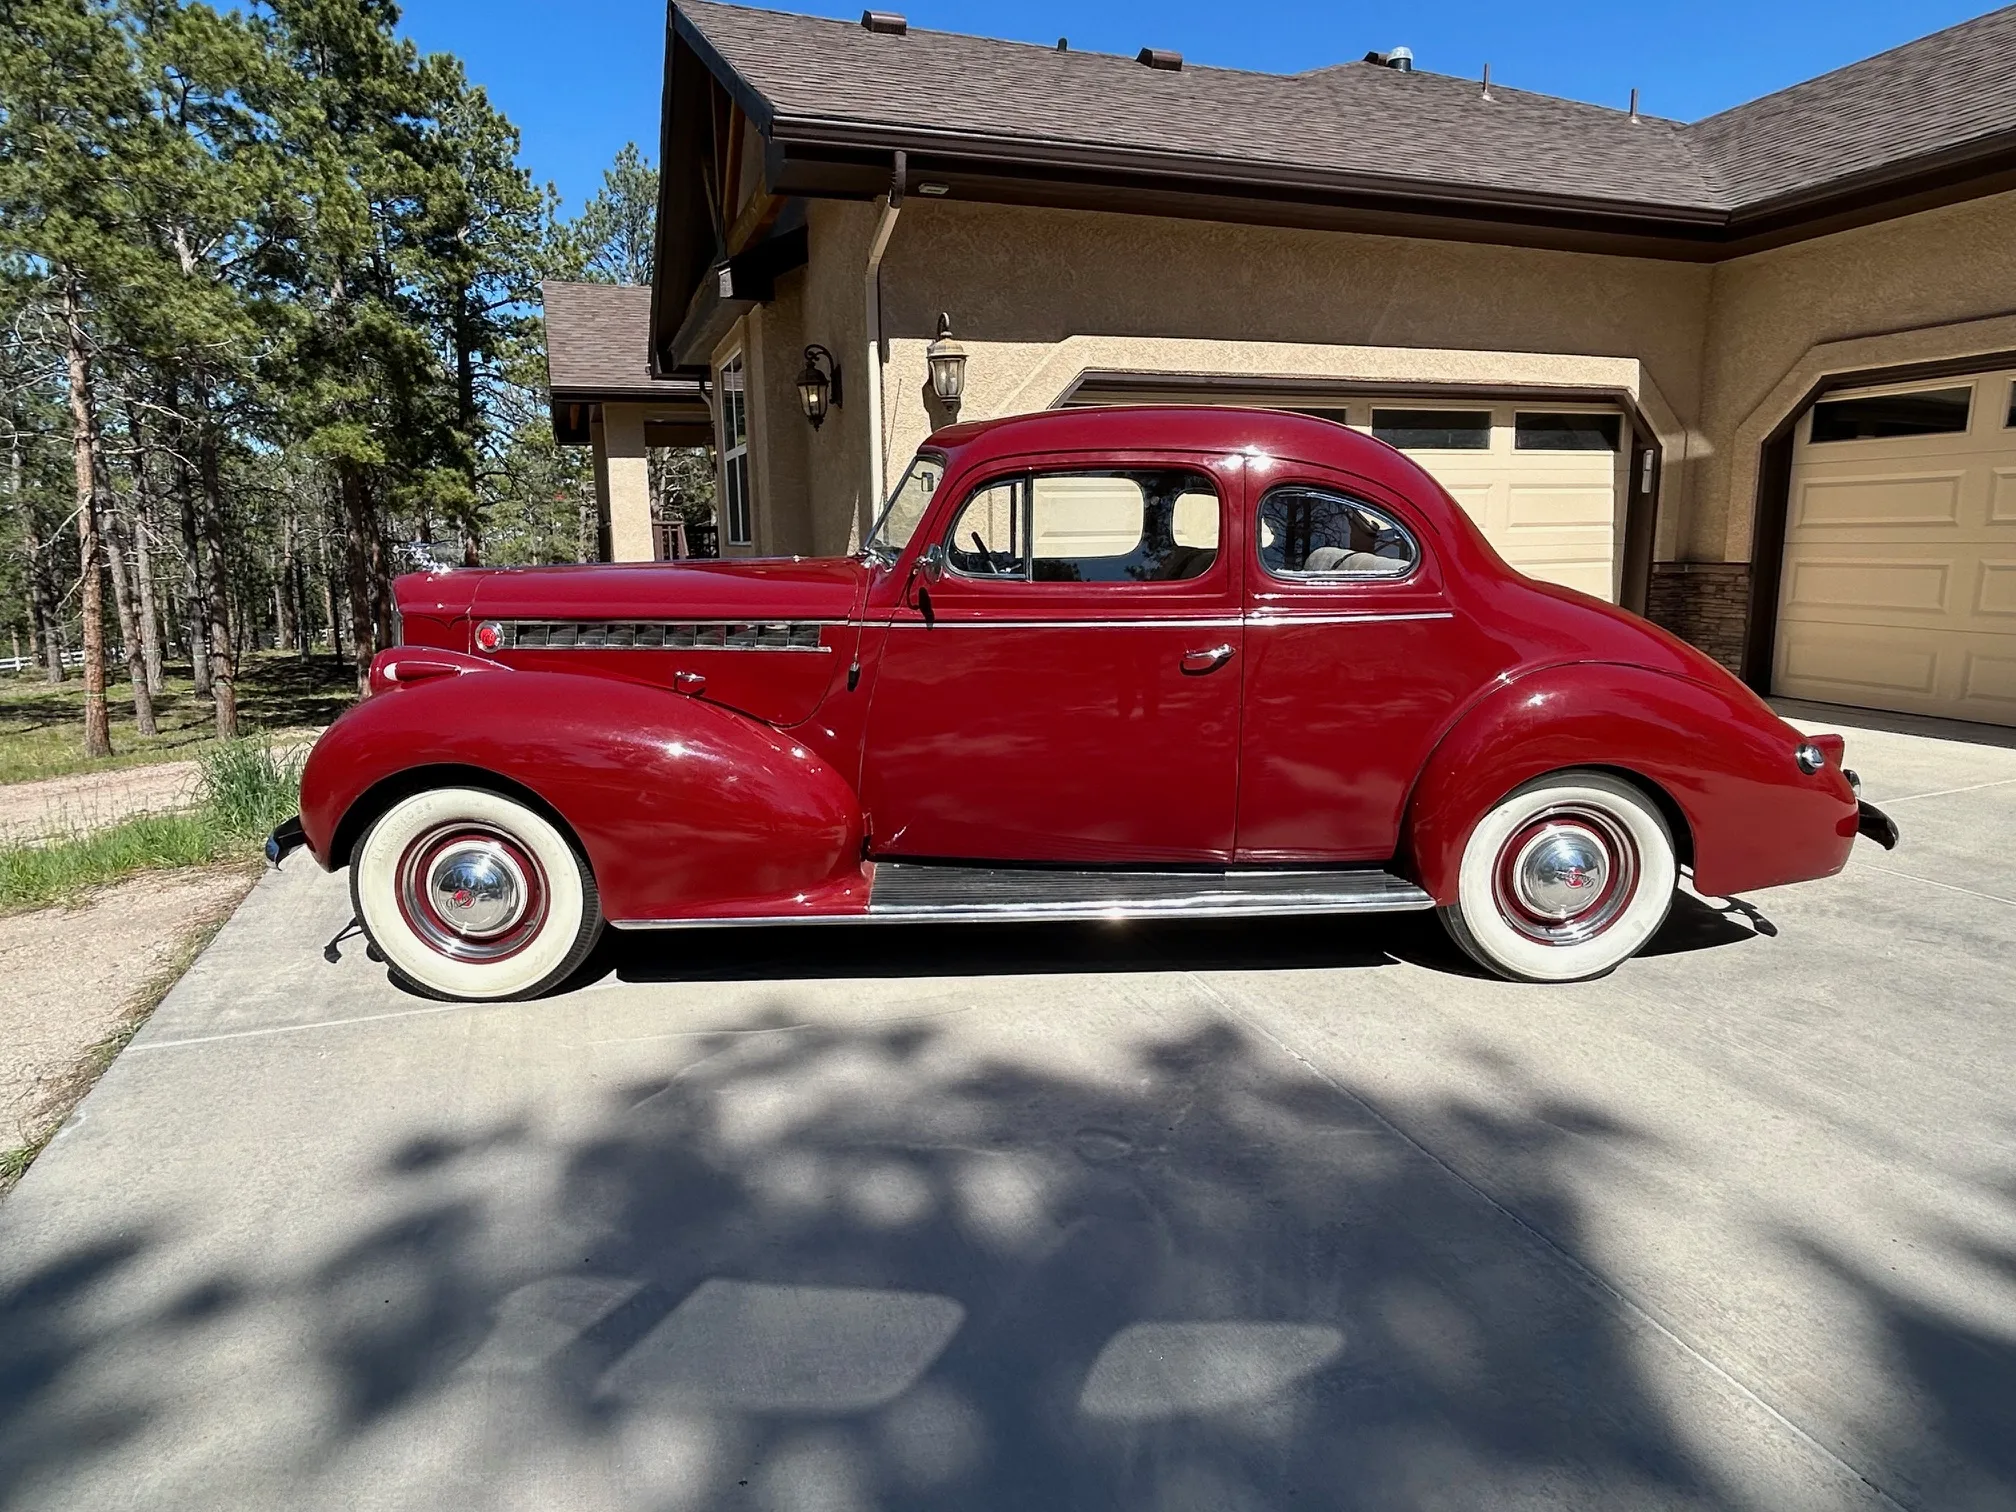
<point>1197,663</point>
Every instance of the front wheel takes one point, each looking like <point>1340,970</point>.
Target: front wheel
<point>1564,880</point>
<point>473,896</point>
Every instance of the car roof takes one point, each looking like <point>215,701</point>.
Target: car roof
<point>1187,427</point>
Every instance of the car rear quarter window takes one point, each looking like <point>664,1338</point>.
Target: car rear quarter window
<point>1311,534</point>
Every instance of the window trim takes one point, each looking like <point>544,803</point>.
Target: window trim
<point>1341,577</point>
<point>732,455</point>
<point>1025,510</point>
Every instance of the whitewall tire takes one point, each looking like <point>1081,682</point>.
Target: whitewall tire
<point>1564,879</point>
<point>473,896</point>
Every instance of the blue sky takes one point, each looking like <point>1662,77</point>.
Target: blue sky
<point>582,77</point>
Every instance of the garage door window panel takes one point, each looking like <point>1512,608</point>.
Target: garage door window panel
<point>1566,432</point>
<point>1433,430</point>
<point>1147,525</point>
<point>1883,417</point>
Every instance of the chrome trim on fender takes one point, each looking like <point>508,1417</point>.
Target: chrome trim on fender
<point>663,635</point>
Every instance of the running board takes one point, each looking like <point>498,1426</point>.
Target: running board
<point>907,892</point>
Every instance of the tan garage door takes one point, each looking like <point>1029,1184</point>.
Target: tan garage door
<point>1545,482</point>
<point>1899,583</point>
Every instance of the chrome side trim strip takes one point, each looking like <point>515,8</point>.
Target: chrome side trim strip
<point>1055,913</point>
<point>1262,621</point>
<point>663,635</point>
<point>1201,621</point>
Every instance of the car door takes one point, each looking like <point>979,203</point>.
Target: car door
<point>1352,667</point>
<point>1062,684</point>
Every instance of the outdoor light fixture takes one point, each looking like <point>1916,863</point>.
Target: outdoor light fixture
<point>948,366</point>
<point>818,390</point>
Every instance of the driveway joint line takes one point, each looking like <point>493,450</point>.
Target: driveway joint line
<point>1891,871</point>
<point>271,1030</point>
<point>1581,1268</point>
<point>1950,792</point>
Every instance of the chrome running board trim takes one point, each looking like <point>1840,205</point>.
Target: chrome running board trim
<point>914,893</point>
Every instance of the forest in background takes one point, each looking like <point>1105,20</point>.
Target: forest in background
<point>269,336</point>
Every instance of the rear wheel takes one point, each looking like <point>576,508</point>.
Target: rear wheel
<point>1564,879</point>
<point>473,896</point>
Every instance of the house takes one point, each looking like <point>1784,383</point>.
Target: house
<point>1751,375</point>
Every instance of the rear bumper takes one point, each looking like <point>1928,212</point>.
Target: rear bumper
<point>1872,823</point>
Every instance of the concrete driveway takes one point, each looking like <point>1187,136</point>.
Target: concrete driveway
<point>1229,1217</point>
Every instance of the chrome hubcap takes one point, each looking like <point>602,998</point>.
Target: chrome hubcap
<point>1566,874</point>
<point>1562,872</point>
<point>471,893</point>
<point>477,889</point>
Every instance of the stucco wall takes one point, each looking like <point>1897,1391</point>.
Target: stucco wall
<point>1037,296</point>
<point>1921,288</point>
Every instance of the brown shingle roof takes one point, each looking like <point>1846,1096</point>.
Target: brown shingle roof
<point>598,341</point>
<point>1353,118</point>
<point>1930,97</point>
<point>1946,91</point>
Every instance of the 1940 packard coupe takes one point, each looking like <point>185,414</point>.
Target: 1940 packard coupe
<point>1093,664</point>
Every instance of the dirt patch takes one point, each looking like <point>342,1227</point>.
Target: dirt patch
<point>59,806</point>
<point>77,977</point>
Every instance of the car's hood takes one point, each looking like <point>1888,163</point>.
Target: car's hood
<point>750,589</point>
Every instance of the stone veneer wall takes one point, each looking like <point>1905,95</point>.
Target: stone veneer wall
<point>1704,603</point>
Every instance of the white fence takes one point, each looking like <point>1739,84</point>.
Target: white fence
<point>115,657</point>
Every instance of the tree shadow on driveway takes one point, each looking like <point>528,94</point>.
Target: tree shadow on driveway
<point>899,1267</point>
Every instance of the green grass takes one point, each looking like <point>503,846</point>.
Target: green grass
<point>42,724</point>
<point>246,789</point>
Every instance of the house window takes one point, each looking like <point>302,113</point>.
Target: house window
<point>1568,432</point>
<point>733,412</point>
<point>1928,412</point>
<point>1433,430</point>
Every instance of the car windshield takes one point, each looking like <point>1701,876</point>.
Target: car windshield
<point>906,507</point>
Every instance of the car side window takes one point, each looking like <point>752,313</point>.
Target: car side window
<point>1122,525</point>
<point>1319,535</point>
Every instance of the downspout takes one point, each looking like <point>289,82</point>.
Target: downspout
<point>878,482</point>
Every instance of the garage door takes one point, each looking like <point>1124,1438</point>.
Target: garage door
<point>1899,584</point>
<point>1544,482</point>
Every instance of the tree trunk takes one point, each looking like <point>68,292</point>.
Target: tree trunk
<point>381,590</point>
<point>143,558</point>
<point>91,565</point>
<point>358,535</point>
<point>285,629</point>
<point>210,525</point>
<point>195,594</point>
<point>123,596</point>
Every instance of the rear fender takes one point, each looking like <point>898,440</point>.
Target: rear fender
<point>1720,760</point>
<point>682,808</point>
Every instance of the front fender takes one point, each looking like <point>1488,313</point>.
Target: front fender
<point>683,808</point>
<point>1723,760</point>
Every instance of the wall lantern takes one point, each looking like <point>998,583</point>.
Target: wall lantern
<point>948,366</point>
<point>818,390</point>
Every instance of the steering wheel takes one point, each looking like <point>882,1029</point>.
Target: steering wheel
<point>980,549</point>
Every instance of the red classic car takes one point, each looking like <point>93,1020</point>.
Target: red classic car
<point>1101,664</point>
